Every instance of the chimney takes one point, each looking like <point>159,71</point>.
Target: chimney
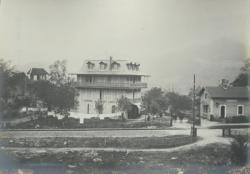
<point>224,83</point>
<point>110,62</point>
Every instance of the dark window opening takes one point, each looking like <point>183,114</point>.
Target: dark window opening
<point>100,94</point>
<point>205,108</point>
<point>87,108</point>
<point>240,110</point>
<point>113,109</point>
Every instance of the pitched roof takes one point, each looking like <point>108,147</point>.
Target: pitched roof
<point>37,71</point>
<point>229,93</point>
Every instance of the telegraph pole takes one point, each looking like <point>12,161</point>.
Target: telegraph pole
<point>194,130</point>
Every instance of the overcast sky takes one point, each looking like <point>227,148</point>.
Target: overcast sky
<point>172,39</point>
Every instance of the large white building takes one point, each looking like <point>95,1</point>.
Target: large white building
<point>106,81</point>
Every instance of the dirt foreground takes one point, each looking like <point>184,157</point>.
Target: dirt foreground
<point>213,158</point>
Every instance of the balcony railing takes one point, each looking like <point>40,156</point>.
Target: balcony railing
<point>99,85</point>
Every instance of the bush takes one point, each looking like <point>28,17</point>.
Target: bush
<point>69,122</point>
<point>211,117</point>
<point>237,119</point>
<point>239,150</point>
<point>218,119</point>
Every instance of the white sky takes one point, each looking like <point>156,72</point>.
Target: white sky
<point>172,39</point>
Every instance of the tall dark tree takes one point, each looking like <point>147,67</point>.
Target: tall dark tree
<point>12,85</point>
<point>243,79</point>
<point>6,73</point>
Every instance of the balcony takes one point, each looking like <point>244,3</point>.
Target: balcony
<point>105,85</point>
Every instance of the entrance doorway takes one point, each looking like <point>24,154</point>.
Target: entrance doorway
<point>223,111</point>
<point>133,112</point>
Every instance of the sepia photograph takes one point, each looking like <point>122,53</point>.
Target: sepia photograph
<point>124,86</point>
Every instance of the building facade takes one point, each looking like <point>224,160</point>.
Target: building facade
<point>37,74</point>
<point>219,102</point>
<point>105,82</point>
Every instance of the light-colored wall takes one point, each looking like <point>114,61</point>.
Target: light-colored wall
<point>108,79</point>
<point>205,101</point>
<point>231,106</point>
<point>109,98</point>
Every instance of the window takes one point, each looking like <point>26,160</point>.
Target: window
<point>89,79</point>
<point>205,108</point>
<point>115,66</point>
<point>100,97</point>
<point>240,110</point>
<point>113,109</point>
<point>103,65</point>
<point>205,95</point>
<point>109,79</point>
<point>90,65</point>
<point>87,108</point>
<point>129,66</point>
<point>223,111</point>
<point>137,67</point>
<point>133,66</point>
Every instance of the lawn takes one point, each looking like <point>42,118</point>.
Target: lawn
<point>100,142</point>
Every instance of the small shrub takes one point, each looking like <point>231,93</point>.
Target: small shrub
<point>237,119</point>
<point>211,117</point>
<point>239,150</point>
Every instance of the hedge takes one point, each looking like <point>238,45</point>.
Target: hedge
<point>237,119</point>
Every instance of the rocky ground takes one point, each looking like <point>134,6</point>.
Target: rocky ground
<point>213,158</point>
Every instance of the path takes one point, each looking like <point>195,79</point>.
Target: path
<point>207,136</point>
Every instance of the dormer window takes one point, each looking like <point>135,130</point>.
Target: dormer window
<point>115,66</point>
<point>130,66</point>
<point>137,67</point>
<point>134,66</point>
<point>90,65</point>
<point>103,65</point>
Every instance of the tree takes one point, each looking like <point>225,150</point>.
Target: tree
<point>58,72</point>
<point>155,101</point>
<point>179,102</point>
<point>124,104</point>
<point>58,93</point>
<point>6,73</point>
<point>64,99</point>
<point>10,85</point>
<point>58,98</point>
<point>243,78</point>
<point>45,91</point>
<point>99,106</point>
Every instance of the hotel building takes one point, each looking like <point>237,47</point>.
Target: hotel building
<point>106,81</point>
